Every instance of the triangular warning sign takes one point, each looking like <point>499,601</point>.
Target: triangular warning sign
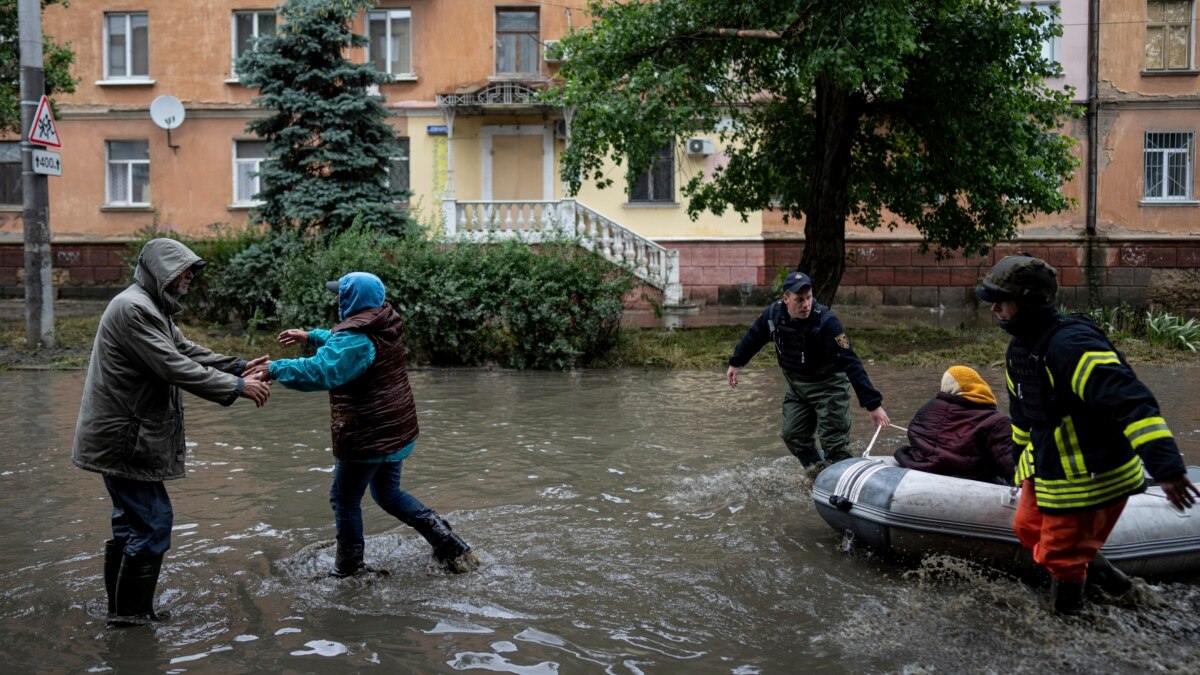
<point>43,131</point>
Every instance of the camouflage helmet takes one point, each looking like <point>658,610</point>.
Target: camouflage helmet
<point>1029,281</point>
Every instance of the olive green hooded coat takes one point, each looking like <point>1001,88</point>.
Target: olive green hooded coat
<point>131,418</point>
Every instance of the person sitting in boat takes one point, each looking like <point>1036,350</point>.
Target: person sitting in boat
<point>960,432</point>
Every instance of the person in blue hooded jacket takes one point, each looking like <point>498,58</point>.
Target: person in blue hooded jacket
<point>360,362</point>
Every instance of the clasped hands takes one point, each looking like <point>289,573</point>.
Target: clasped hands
<point>257,373</point>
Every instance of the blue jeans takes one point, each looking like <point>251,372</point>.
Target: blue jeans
<point>141,516</point>
<point>350,481</point>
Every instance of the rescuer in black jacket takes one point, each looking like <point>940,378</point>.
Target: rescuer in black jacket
<point>1085,429</point>
<point>819,366</point>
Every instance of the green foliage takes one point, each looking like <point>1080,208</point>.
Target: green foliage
<point>505,302</point>
<point>329,140</point>
<point>1168,330</point>
<point>56,63</point>
<point>933,112</point>
<point>219,292</point>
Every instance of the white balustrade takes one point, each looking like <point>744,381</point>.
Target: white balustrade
<point>529,219</point>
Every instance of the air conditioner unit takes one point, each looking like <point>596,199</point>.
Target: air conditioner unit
<point>560,129</point>
<point>552,52</point>
<point>700,146</point>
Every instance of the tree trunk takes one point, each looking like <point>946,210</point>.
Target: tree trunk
<point>824,257</point>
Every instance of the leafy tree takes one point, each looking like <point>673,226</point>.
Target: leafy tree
<point>56,65</point>
<point>328,139</point>
<point>932,111</point>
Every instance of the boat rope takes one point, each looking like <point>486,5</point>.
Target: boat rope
<point>867,452</point>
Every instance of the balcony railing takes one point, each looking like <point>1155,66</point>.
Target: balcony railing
<point>530,219</point>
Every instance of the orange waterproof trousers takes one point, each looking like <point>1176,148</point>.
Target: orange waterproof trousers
<point>1063,543</point>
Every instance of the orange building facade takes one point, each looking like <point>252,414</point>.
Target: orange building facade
<point>473,139</point>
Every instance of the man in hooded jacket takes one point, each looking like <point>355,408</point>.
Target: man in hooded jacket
<point>360,361</point>
<point>130,426</point>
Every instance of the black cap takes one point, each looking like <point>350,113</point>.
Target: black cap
<point>332,286</point>
<point>795,281</point>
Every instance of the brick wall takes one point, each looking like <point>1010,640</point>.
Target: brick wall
<point>80,270</point>
<point>1163,273</point>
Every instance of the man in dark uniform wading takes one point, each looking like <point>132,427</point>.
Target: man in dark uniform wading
<point>819,366</point>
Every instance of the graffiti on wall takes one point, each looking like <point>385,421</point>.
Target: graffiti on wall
<point>12,221</point>
<point>1133,256</point>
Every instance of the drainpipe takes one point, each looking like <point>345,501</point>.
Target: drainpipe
<point>1091,271</point>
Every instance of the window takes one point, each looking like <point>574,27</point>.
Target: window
<point>248,157</point>
<point>10,173</point>
<point>1169,34</point>
<point>658,183</point>
<point>390,33</point>
<point>127,46</point>
<point>128,172</point>
<point>247,26</point>
<point>517,41</point>
<point>1168,172</point>
<point>398,171</point>
<point>1050,44</point>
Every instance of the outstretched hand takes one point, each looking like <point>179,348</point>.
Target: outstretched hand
<point>731,375</point>
<point>293,336</point>
<point>1180,491</point>
<point>259,368</point>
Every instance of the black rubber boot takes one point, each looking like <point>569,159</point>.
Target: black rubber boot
<point>1067,595</point>
<point>1108,578</point>
<point>348,561</point>
<point>136,581</point>
<point>449,550</point>
<point>113,552</point>
<point>808,457</point>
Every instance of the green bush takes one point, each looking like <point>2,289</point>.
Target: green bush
<point>1168,330</point>
<point>555,305</point>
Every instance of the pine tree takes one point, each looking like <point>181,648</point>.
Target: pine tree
<point>328,139</point>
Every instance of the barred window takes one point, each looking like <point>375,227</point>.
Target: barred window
<point>10,173</point>
<point>1168,165</point>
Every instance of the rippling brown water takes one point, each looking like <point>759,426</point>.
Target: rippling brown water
<point>630,522</point>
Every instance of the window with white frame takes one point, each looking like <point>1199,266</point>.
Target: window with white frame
<point>1168,165</point>
<point>10,173</point>
<point>517,43</point>
<point>398,171</point>
<point>127,45</point>
<point>248,158</point>
<point>1051,10</point>
<point>390,32</point>
<point>128,172</point>
<point>247,27</point>
<point>1169,34</point>
<point>656,184</point>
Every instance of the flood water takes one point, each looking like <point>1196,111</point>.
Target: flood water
<point>629,522</point>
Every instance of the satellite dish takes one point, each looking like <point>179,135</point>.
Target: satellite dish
<point>167,112</point>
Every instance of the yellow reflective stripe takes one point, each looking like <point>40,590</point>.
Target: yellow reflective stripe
<point>1019,435</point>
<point>1051,376</point>
<point>1067,494</point>
<point>1024,465</point>
<point>1012,388</point>
<point>1146,430</point>
<point>1069,454</point>
<point>1087,363</point>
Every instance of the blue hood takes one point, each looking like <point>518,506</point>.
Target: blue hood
<point>358,291</point>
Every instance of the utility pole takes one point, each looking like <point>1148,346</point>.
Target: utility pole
<point>39,288</point>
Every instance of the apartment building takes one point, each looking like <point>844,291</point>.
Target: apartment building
<point>474,145</point>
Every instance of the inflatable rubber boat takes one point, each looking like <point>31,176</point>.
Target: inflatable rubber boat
<point>901,511</point>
